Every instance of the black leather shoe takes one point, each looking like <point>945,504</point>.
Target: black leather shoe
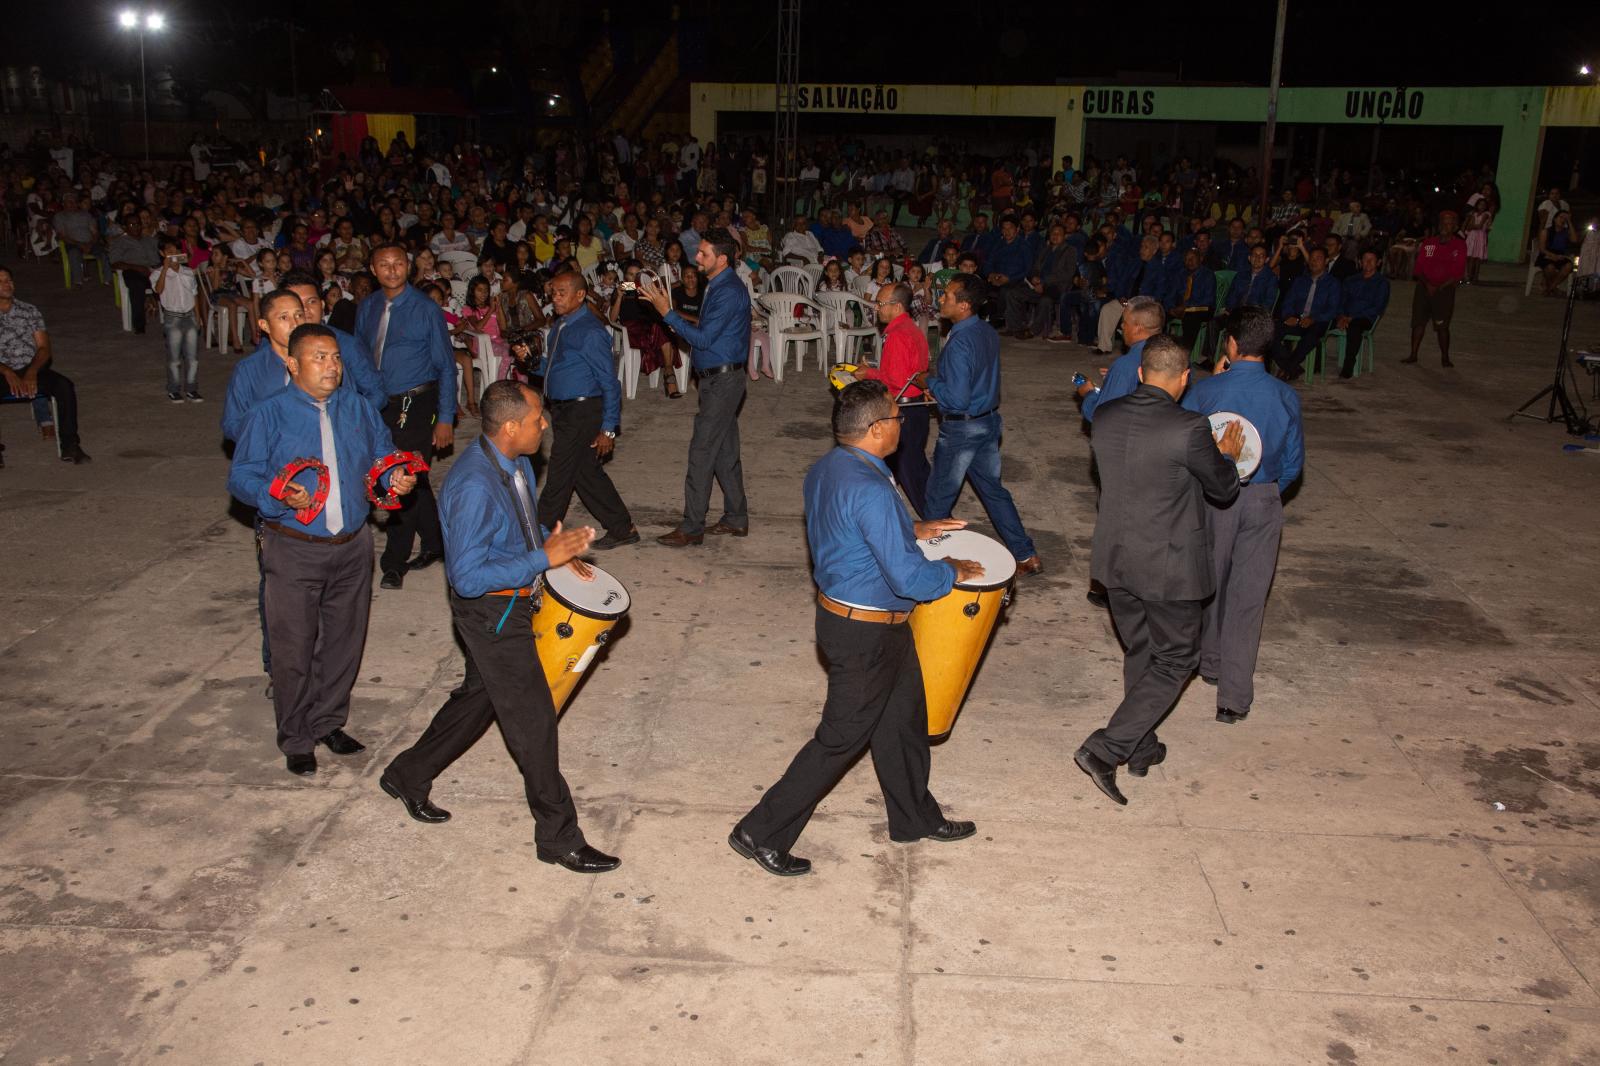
<point>607,542</point>
<point>1097,598</point>
<point>1230,717</point>
<point>74,455</point>
<point>1102,773</point>
<point>392,579</point>
<point>268,692</point>
<point>302,765</point>
<point>779,863</point>
<point>421,810</point>
<point>1209,680</point>
<point>1144,768</point>
<point>952,830</point>
<point>341,743</point>
<point>585,860</point>
<point>424,560</point>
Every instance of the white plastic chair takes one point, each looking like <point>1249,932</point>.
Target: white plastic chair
<point>119,289</point>
<point>791,279</point>
<point>463,264</point>
<point>1533,272</point>
<point>218,327</point>
<point>484,363</point>
<point>786,327</point>
<point>840,318</point>
<point>861,284</point>
<point>627,363</point>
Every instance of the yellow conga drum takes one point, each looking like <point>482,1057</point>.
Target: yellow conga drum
<point>952,632</point>
<point>572,621</point>
<point>840,375</point>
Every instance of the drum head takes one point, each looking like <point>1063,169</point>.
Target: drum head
<point>604,597</point>
<point>1250,454</point>
<point>998,565</point>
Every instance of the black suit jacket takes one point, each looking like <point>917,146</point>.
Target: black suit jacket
<point>1158,463</point>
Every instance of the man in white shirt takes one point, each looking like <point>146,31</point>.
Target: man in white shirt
<point>902,184</point>
<point>800,245</point>
<point>249,243</point>
<point>688,165</point>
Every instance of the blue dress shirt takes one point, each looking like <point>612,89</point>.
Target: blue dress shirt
<point>1364,297</point>
<point>1163,276</point>
<point>863,547</point>
<point>416,349</point>
<point>578,363</point>
<point>1257,290</point>
<point>286,426</point>
<point>723,335</point>
<point>1203,293</point>
<point>981,245</point>
<point>836,241</point>
<point>1013,258</point>
<point>485,549</point>
<point>1231,255</point>
<point>1324,302</point>
<point>968,379</point>
<point>1246,388</point>
<point>261,374</point>
<point>1122,272</point>
<point>1122,377</point>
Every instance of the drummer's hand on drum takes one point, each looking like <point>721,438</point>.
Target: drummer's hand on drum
<point>1231,442</point>
<point>966,569</point>
<point>584,571</point>
<point>296,497</point>
<point>933,528</point>
<point>565,545</point>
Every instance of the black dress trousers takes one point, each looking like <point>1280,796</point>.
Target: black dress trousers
<point>574,464</point>
<point>418,516</point>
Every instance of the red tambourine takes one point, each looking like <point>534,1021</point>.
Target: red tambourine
<point>414,464</point>
<point>280,486</point>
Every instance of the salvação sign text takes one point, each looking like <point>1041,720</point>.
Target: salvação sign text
<point>866,98</point>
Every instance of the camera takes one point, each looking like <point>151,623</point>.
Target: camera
<point>628,286</point>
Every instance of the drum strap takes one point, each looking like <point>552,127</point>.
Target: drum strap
<point>498,626</point>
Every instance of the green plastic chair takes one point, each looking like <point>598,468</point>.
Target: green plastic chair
<point>66,267</point>
<point>1367,354</point>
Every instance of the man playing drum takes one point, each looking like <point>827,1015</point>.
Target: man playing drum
<point>870,573</point>
<point>495,553</point>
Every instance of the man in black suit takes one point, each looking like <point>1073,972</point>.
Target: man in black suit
<point>1152,551</point>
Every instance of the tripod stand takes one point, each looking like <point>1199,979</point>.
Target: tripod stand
<point>1562,408</point>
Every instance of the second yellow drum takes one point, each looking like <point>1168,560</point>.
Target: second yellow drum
<point>952,632</point>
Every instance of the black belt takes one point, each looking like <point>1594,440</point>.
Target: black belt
<point>948,417</point>
<point>295,534</point>
<point>575,399</point>
<point>725,368</point>
<point>425,387</point>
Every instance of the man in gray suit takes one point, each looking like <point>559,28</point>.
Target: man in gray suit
<point>1152,551</point>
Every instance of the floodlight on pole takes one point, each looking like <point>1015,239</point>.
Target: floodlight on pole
<point>1583,71</point>
<point>150,22</point>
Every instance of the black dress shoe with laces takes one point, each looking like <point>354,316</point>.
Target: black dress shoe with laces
<point>607,542</point>
<point>421,810</point>
<point>778,863</point>
<point>1231,717</point>
<point>1144,768</point>
<point>584,860</point>
<point>424,560</point>
<point>952,830</point>
<point>392,579</point>
<point>341,743</point>
<point>1097,598</point>
<point>1102,773</point>
<point>304,765</point>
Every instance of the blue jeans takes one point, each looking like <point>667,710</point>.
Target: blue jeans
<point>183,350</point>
<point>971,451</point>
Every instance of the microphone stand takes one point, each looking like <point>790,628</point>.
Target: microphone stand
<point>1561,408</point>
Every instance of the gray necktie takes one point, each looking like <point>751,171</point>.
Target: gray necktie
<point>525,509</point>
<point>333,510</point>
<point>1311,295</point>
<point>383,332</point>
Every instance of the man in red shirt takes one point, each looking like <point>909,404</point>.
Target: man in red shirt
<point>905,355</point>
<point>1441,264</point>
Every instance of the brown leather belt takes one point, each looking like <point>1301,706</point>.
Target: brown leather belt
<point>526,590</point>
<point>295,534</point>
<point>861,614</point>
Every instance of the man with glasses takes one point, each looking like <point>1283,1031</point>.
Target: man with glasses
<point>905,355</point>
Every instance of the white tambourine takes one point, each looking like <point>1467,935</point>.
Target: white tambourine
<point>1250,455</point>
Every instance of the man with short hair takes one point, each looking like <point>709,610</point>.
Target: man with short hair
<point>943,235</point>
<point>1152,552</point>
<point>1142,318</point>
<point>1196,295</point>
<point>981,241</point>
<point>1256,285</point>
<point>585,397</point>
<point>1308,310</point>
<point>1440,264</point>
<point>411,351</point>
<point>76,230</point>
<point>800,245</point>
<point>25,370</point>
<point>1125,272</point>
<point>905,355</point>
<point>1006,270</point>
<point>1233,252</point>
<point>882,242</point>
<point>1034,305</point>
<point>1363,298</point>
<point>870,573</point>
<point>497,557</point>
<point>966,387</point>
<point>719,350</point>
<point>319,568</point>
<point>1245,533</point>
<point>134,254</point>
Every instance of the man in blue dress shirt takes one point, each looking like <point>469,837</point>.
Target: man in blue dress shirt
<point>1308,310</point>
<point>1127,264</point>
<point>1233,251</point>
<point>1256,285</point>
<point>1245,533</point>
<point>496,558</point>
<point>318,573</point>
<point>411,350</point>
<point>1142,319</point>
<point>1194,297</point>
<point>982,240</point>
<point>967,390</point>
<point>1163,272</point>
<point>1364,297</point>
<point>1006,268</point>
<point>870,573</point>
<point>585,399</point>
<point>720,348</point>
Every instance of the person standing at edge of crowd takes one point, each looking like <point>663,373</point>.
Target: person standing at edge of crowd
<point>967,389</point>
<point>905,355</point>
<point>318,573</point>
<point>1245,534</point>
<point>411,351</point>
<point>1440,265</point>
<point>586,400</point>
<point>1152,551</point>
<point>498,555</point>
<point>864,552</point>
<point>720,348</point>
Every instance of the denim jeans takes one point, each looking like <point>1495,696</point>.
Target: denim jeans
<point>971,451</point>
<point>183,349</point>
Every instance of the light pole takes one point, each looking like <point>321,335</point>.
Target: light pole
<point>153,22</point>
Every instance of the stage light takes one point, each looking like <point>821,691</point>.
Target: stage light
<point>128,19</point>
<point>1583,71</point>
<point>155,21</point>
<point>494,70</point>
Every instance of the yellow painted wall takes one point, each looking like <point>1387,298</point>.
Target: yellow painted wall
<point>382,128</point>
<point>1572,105</point>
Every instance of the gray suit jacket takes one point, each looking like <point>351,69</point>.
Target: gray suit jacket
<point>1158,463</point>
